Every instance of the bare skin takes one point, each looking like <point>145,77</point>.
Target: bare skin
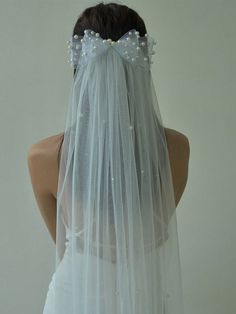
<point>43,162</point>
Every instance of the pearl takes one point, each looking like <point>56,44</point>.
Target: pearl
<point>112,178</point>
<point>142,171</point>
<point>128,52</point>
<point>131,127</point>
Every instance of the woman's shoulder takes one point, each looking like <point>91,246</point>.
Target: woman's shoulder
<point>176,136</point>
<point>177,142</point>
<point>42,157</point>
<point>179,154</point>
<point>46,145</point>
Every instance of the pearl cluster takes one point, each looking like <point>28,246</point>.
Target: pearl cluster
<point>130,46</point>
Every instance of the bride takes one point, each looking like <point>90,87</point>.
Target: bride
<point>109,184</point>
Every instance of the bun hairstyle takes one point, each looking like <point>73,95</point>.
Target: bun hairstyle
<point>110,20</point>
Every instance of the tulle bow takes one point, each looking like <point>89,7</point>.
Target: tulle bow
<point>132,47</point>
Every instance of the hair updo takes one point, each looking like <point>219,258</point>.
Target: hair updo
<point>110,20</point>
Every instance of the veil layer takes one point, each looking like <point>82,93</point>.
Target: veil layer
<point>116,219</point>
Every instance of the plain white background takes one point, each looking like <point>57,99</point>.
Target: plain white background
<point>195,77</point>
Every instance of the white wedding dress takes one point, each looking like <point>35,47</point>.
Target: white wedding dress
<point>63,289</point>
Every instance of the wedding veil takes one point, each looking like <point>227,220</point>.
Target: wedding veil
<point>115,201</point>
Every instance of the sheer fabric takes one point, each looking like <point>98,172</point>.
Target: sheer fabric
<point>116,238</point>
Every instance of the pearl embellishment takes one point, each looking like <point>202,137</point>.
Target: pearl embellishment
<point>129,46</point>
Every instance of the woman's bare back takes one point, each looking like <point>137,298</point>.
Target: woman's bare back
<point>178,148</point>
<point>43,163</point>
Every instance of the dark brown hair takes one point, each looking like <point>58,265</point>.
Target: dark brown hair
<point>110,20</point>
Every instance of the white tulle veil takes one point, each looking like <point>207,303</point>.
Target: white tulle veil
<point>115,202</point>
